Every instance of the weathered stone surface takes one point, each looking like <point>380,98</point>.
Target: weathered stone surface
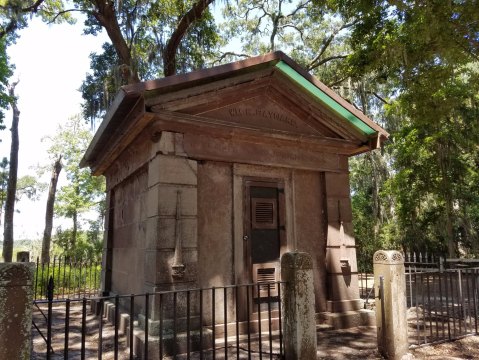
<point>163,143</point>
<point>161,232</point>
<point>16,297</point>
<point>215,244</point>
<point>130,161</point>
<point>310,235</point>
<point>337,184</point>
<point>172,170</point>
<point>336,258</point>
<point>391,308</point>
<point>167,200</point>
<point>298,306</point>
<point>158,266</point>
<point>339,209</point>
<point>246,152</point>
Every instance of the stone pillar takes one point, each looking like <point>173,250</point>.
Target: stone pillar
<point>341,264</point>
<point>16,298</point>
<point>171,248</point>
<point>298,306</point>
<point>391,308</point>
<point>23,256</point>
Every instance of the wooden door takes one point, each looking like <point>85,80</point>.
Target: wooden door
<point>264,233</point>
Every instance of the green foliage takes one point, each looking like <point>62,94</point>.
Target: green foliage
<point>30,187</point>
<point>71,276</point>
<point>88,245</point>
<point>14,15</point>
<point>372,207</point>
<point>425,58</point>
<point>313,36</point>
<point>5,73</point>
<point>83,192</point>
<point>146,27</point>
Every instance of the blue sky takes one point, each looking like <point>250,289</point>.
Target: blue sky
<point>51,61</point>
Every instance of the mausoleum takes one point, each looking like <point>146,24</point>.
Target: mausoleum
<point>213,175</point>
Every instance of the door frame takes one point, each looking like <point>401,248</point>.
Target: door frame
<point>249,182</point>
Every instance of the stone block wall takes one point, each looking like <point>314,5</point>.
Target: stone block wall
<point>129,232</point>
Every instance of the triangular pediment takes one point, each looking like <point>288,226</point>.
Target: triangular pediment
<point>265,98</point>
<point>261,112</point>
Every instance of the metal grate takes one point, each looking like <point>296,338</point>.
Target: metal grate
<point>264,213</point>
<point>264,275</point>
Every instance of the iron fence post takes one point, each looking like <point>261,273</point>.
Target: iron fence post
<point>49,317</point>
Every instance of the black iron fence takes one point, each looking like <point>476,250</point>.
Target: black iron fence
<point>72,277</point>
<point>419,262</point>
<point>413,262</point>
<point>442,305</point>
<point>229,322</point>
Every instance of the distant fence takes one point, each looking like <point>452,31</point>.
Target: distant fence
<point>442,297</point>
<point>413,263</point>
<point>418,262</point>
<point>72,277</point>
<point>442,305</point>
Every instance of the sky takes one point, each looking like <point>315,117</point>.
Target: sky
<point>51,61</point>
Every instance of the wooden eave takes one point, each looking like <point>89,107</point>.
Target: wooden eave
<point>179,122</point>
<point>181,102</point>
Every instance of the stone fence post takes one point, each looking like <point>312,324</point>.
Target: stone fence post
<point>16,298</point>
<point>391,308</point>
<point>298,306</point>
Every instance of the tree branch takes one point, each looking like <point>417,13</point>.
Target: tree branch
<point>229,53</point>
<point>169,55</point>
<point>325,60</point>
<point>13,24</point>
<point>106,16</point>
<point>60,13</point>
<point>327,41</point>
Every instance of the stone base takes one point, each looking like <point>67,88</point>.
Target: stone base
<point>340,306</point>
<point>347,319</point>
<point>170,346</point>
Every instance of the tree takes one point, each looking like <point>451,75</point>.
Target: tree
<point>49,212</point>
<point>312,36</point>
<point>12,181</point>
<point>426,56</point>
<point>14,14</point>
<point>149,39</point>
<point>83,192</point>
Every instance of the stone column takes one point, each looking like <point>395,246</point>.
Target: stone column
<point>16,298</point>
<point>391,308</point>
<point>341,264</point>
<point>171,249</point>
<point>298,306</point>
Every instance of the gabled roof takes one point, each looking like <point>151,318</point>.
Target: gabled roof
<point>334,117</point>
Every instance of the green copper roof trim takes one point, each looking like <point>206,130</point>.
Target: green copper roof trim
<point>324,98</point>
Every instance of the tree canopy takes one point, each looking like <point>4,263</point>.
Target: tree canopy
<point>411,66</point>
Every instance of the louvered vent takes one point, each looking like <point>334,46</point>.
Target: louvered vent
<point>265,275</point>
<point>264,213</point>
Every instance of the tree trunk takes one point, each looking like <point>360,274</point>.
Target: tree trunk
<point>107,17</point>
<point>446,189</point>
<point>74,231</point>
<point>169,54</point>
<point>12,181</point>
<point>47,233</point>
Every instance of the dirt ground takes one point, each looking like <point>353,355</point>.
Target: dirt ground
<point>360,343</point>
<point>355,343</point>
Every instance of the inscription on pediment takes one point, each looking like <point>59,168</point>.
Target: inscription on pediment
<point>262,113</point>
